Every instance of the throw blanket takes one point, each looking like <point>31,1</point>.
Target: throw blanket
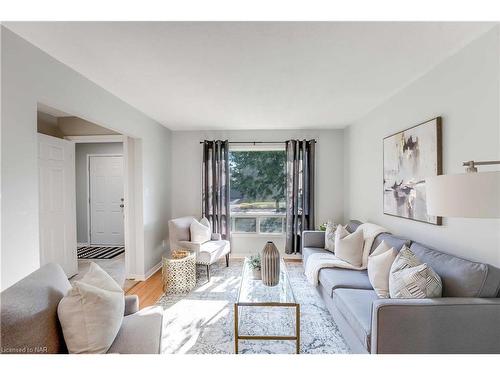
<point>316,262</point>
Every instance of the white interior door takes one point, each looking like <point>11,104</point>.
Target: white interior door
<point>57,197</point>
<point>106,200</point>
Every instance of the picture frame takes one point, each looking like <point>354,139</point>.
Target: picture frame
<point>409,156</point>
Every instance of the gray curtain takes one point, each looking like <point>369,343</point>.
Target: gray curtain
<point>215,186</point>
<point>299,191</point>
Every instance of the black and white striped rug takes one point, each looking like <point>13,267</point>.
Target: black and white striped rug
<point>99,252</point>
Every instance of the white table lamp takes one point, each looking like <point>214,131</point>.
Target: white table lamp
<point>473,194</point>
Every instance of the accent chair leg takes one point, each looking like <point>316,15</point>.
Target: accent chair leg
<point>227,260</point>
<point>208,272</point>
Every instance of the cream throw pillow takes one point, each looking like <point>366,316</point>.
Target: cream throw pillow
<point>200,230</point>
<point>91,314</point>
<point>330,237</point>
<point>379,268</point>
<point>349,247</point>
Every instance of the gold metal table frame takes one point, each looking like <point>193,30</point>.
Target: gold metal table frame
<point>238,337</point>
<point>288,301</point>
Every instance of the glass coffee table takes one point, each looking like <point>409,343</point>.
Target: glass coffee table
<point>254,293</point>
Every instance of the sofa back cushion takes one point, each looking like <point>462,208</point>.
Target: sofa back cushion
<point>392,241</point>
<point>460,277</point>
<point>352,225</point>
<point>29,322</point>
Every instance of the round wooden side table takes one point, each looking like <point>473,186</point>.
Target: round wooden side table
<point>179,274</point>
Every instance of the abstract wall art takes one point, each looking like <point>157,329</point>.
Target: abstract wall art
<point>410,156</point>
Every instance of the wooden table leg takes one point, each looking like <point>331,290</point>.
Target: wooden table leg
<point>297,327</point>
<point>236,333</point>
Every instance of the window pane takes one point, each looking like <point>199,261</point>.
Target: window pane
<point>245,224</point>
<point>257,181</point>
<point>271,225</point>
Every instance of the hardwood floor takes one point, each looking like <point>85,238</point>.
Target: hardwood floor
<point>148,291</point>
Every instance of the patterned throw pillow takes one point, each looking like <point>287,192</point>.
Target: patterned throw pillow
<point>405,277</point>
<point>409,282</point>
<point>330,237</point>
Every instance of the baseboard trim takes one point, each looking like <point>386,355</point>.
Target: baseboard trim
<point>153,270</point>
<point>147,275</point>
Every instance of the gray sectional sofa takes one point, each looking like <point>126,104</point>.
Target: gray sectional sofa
<point>29,322</point>
<point>465,320</point>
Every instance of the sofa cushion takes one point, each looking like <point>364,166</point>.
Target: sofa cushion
<point>460,277</point>
<point>308,251</point>
<point>140,333</point>
<point>393,241</point>
<point>355,305</point>
<point>352,225</point>
<point>211,251</point>
<point>334,278</point>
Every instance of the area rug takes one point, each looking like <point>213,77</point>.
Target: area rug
<point>202,321</point>
<point>99,252</point>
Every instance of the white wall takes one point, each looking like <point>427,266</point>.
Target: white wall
<point>82,150</point>
<point>30,76</point>
<point>187,159</point>
<point>464,90</point>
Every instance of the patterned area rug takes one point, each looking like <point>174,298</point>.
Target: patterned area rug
<point>202,321</point>
<point>99,252</point>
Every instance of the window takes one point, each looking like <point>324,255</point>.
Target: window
<point>257,191</point>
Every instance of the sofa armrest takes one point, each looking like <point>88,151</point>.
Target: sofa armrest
<point>131,304</point>
<point>313,238</point>
<point>438,325</point>
<point>216,237</point>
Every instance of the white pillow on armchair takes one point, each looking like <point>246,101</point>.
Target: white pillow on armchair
<point>200,230</point>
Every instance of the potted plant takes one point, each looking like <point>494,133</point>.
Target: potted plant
<point>255,266</point>
<point>322,227</point>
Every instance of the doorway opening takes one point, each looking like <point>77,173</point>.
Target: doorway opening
<point>89,189</point>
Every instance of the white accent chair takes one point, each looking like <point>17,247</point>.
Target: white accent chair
<point>207,253</point>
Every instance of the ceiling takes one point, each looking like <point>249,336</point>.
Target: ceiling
<point>251,75</point>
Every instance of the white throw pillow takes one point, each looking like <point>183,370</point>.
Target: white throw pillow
<point>379,268</point>
<point>200,230</point>
<point>330,237</point>
<point>91,314</point>
<point>349,247</point>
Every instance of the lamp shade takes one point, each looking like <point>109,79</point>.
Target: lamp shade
<point>464,195</point>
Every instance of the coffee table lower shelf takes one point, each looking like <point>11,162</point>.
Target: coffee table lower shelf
<point>238,337</point>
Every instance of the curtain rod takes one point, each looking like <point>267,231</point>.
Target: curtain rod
<point>260,142</point>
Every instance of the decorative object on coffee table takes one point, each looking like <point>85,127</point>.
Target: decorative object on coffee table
<point>179,272</point>
<point>410,157</point>
<point>270,267</point>
<point>255,264</point>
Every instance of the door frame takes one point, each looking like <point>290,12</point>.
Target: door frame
<point>132,186</point>
<point>89,211</point>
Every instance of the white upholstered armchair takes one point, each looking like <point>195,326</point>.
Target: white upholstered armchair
<point>207,253</point>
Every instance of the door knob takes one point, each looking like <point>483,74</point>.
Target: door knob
<point>122,205</point>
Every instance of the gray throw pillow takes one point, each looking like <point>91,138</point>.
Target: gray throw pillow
<point>410,278</point>
<point>330,237</point>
